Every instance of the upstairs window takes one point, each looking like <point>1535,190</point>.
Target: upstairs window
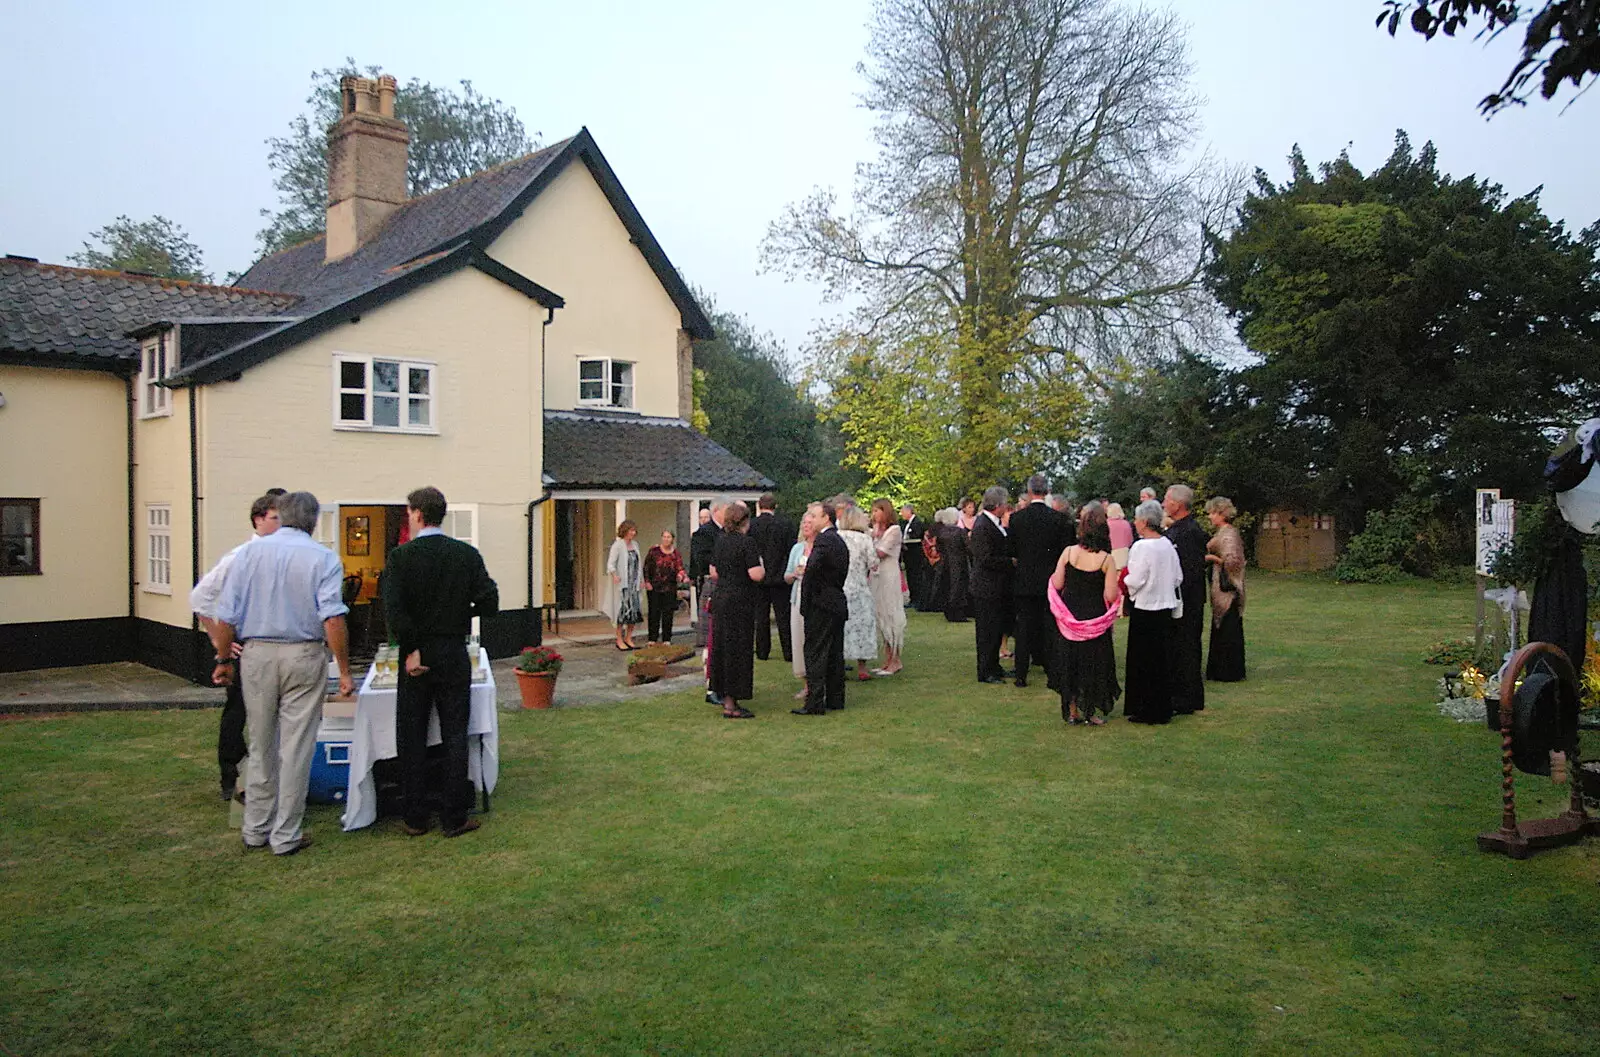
<point>605,383</point>
<point>155,364</point>
<point>392,396</point>
<point>19,537</point>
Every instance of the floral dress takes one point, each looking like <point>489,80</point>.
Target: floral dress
<point>861,626</point>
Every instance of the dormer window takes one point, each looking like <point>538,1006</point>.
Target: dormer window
<point>605,383</point>
<point>155,364</point>
<point>383,395</point>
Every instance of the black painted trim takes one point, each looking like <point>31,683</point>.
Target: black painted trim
<point>65,643</point>
<point>174,650</point>
<point>122,367</point>
<point>257,350</point>
<point>691,315</point>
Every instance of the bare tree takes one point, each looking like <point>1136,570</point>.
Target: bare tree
<point>1034,194</point>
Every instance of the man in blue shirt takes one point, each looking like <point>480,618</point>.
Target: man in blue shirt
<point>282,600</point>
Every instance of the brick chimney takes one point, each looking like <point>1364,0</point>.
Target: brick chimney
<point>366,164</point>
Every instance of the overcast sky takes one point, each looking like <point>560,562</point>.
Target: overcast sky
<point>714,114</point>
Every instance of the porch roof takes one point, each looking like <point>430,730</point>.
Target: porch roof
<point>611,450</point>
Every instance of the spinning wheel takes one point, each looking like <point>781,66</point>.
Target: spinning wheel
<point>1536,719</point>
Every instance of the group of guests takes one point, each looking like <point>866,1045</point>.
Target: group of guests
<point>1057,584</point>
<point>832,585</point>
<point>273,610</point>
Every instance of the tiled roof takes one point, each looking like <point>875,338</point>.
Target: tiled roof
<point>55,312</point>
<point>597,449</point>
<point>422,225</point>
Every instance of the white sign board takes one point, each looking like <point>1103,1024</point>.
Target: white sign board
<point>1497,523</point>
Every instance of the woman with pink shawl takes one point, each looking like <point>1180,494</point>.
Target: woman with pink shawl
<point>1085,598</point>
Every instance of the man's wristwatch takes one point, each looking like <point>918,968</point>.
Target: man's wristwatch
<point>227,660</point>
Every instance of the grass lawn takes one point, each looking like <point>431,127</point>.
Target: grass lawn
<point>941,868</point>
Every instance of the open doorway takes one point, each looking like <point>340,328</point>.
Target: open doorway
<point>575,555</point>
<point>365,536</point>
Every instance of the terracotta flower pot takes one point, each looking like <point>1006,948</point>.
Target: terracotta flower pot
<point>538,688</point>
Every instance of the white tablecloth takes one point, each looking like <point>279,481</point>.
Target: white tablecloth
<point>373,739</point>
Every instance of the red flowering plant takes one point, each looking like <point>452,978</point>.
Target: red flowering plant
<point>540,659</point>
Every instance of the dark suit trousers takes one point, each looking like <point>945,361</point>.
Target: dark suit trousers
<point>231,745</point>
<point>663,604</point>
<point>773,598</point>
<point>824,650</point>
<point>1034,624</point>
<point>1188,673</point>
<point>446,689</point>
<point>988,629</point>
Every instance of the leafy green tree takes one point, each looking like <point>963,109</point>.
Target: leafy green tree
<point>453,135</point>
<point>156,246</point>
<point>1418,336</point>
<point>1031,200</point>
<point>1561,44</point>
<point>751,404</point>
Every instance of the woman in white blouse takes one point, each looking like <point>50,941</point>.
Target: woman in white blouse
<point>627,581</point>
<point>1153,580</point>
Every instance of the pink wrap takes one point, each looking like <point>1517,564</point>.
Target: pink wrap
<point>1080,630</point>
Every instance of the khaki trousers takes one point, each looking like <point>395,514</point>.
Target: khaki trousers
<point>284,686</point>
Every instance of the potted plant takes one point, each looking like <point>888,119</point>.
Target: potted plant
<point>536,670</point>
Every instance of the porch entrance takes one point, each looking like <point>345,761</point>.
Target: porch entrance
<point>576,530</point>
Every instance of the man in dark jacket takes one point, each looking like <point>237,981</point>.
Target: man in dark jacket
<point>1188,675</point>
<point>823,608</point>
<point>1038,536</point>
<point>433,586</point>
<point>701,546</point>
<point>991,584</point>
<point>774,535</point>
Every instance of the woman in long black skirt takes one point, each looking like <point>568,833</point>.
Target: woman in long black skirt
<point>1086,579</point>
<point>1154,577</point>
<point>736,565</point>
<point>957,562</point>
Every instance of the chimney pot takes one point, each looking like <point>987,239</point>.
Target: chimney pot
<point>387,87</point>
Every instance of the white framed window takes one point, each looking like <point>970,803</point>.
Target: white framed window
<point>461,522</point>
<point>605,382</point>
<point>158,548</point>
<point>382,394</point>
<point>155,365</point>
<point>1271,521</point>
<point>1324,522</point>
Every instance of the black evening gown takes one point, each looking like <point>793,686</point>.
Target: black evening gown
<point>938,584</point>
<point>1225,662</point>
<point>1149,666</point>
<point>733,617</point>
<point>1086,671</point>
<point>957,563</point>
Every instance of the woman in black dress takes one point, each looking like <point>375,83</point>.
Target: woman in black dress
<point>736,567</point>
<point>1225,556</point>
<point>956,560</point>
<point>1086,578</point>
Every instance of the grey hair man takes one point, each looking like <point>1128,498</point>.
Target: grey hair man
<point>282,600</point>
<point>1188,676</point>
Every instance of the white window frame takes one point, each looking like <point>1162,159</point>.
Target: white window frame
<point>155,365</point>
<point>610,387</point>
<point>158,548</point>
<point>459,516</point>
<point>364,424</point>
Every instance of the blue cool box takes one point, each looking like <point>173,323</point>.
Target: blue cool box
<point>330,762</point>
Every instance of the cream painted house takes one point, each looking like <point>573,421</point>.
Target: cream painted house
<point>518,339</point>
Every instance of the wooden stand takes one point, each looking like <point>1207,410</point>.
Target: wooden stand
<point>1573,824</point>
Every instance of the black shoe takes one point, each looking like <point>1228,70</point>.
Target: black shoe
<point>992,679</point>
<point>712,699</point>
<point>1022,681</point>
<point>806,712</point>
